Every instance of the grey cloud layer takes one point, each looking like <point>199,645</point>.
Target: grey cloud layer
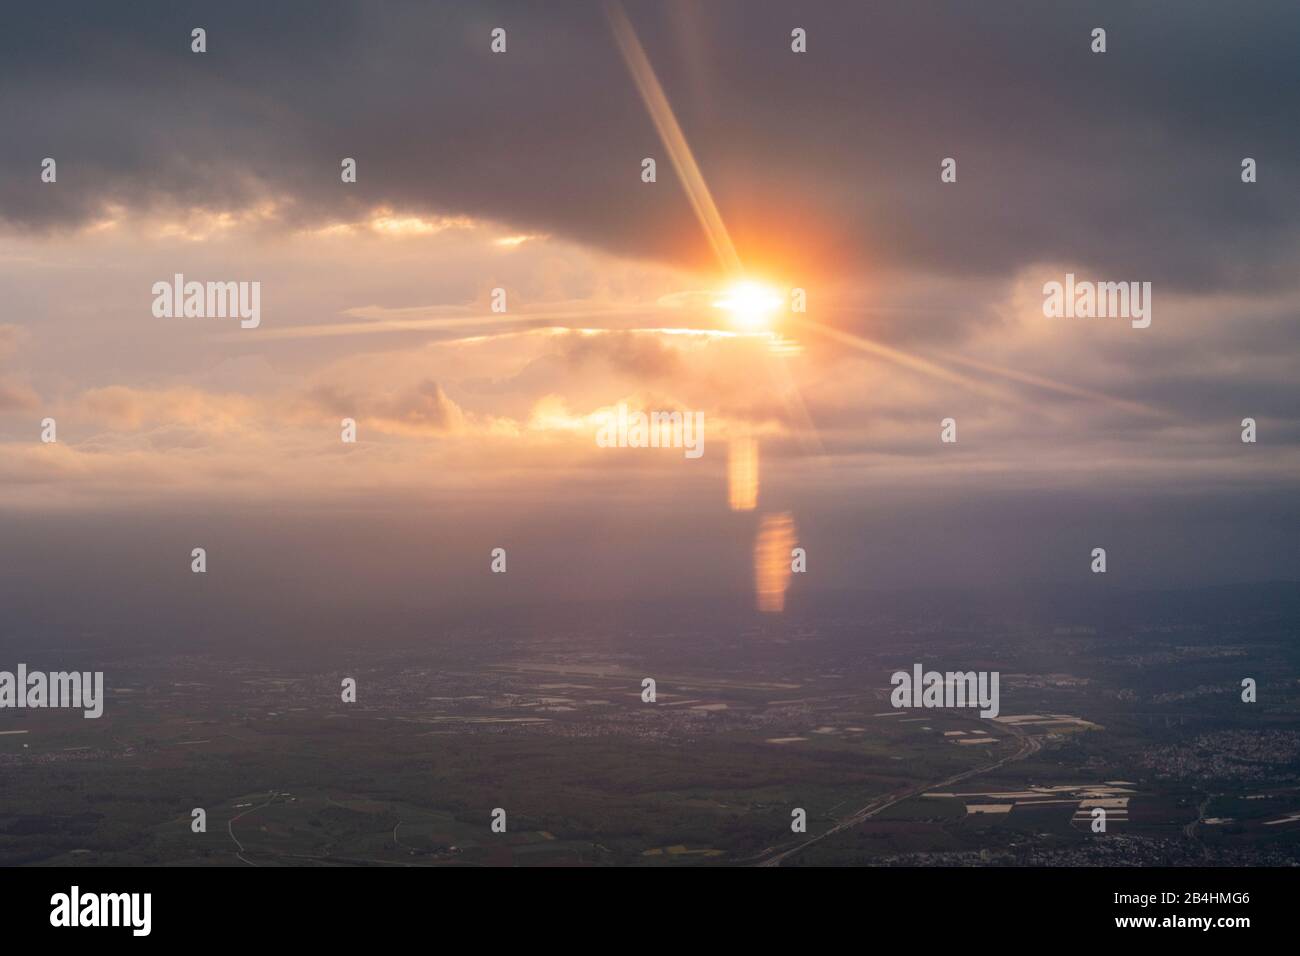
<point>1125,163</point>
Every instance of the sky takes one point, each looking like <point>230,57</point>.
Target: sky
<point>522,171</point>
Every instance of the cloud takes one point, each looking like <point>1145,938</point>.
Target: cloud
<point>422,409</point>
<point>924,298</point>
<point>1126,162</point>
<point>645,357</point>
<point>15,396</point>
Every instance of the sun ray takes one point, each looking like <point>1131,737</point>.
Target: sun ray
<point>899,357</point>
<point>674,140</point>
<point>459,319</point>
<point>1052,385</point>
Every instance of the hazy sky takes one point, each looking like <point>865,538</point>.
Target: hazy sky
<point>522,171</point>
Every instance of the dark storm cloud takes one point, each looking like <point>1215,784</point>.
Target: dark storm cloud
<point>1125,163</point>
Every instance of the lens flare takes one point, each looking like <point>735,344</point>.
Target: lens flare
<point>742,472</point>
<point>772,547</point>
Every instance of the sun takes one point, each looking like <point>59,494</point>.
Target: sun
<point>752,305</point>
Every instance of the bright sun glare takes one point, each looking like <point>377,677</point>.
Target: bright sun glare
<point>751,305</point>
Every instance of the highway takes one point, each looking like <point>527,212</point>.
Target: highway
<point>1028,745</point>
